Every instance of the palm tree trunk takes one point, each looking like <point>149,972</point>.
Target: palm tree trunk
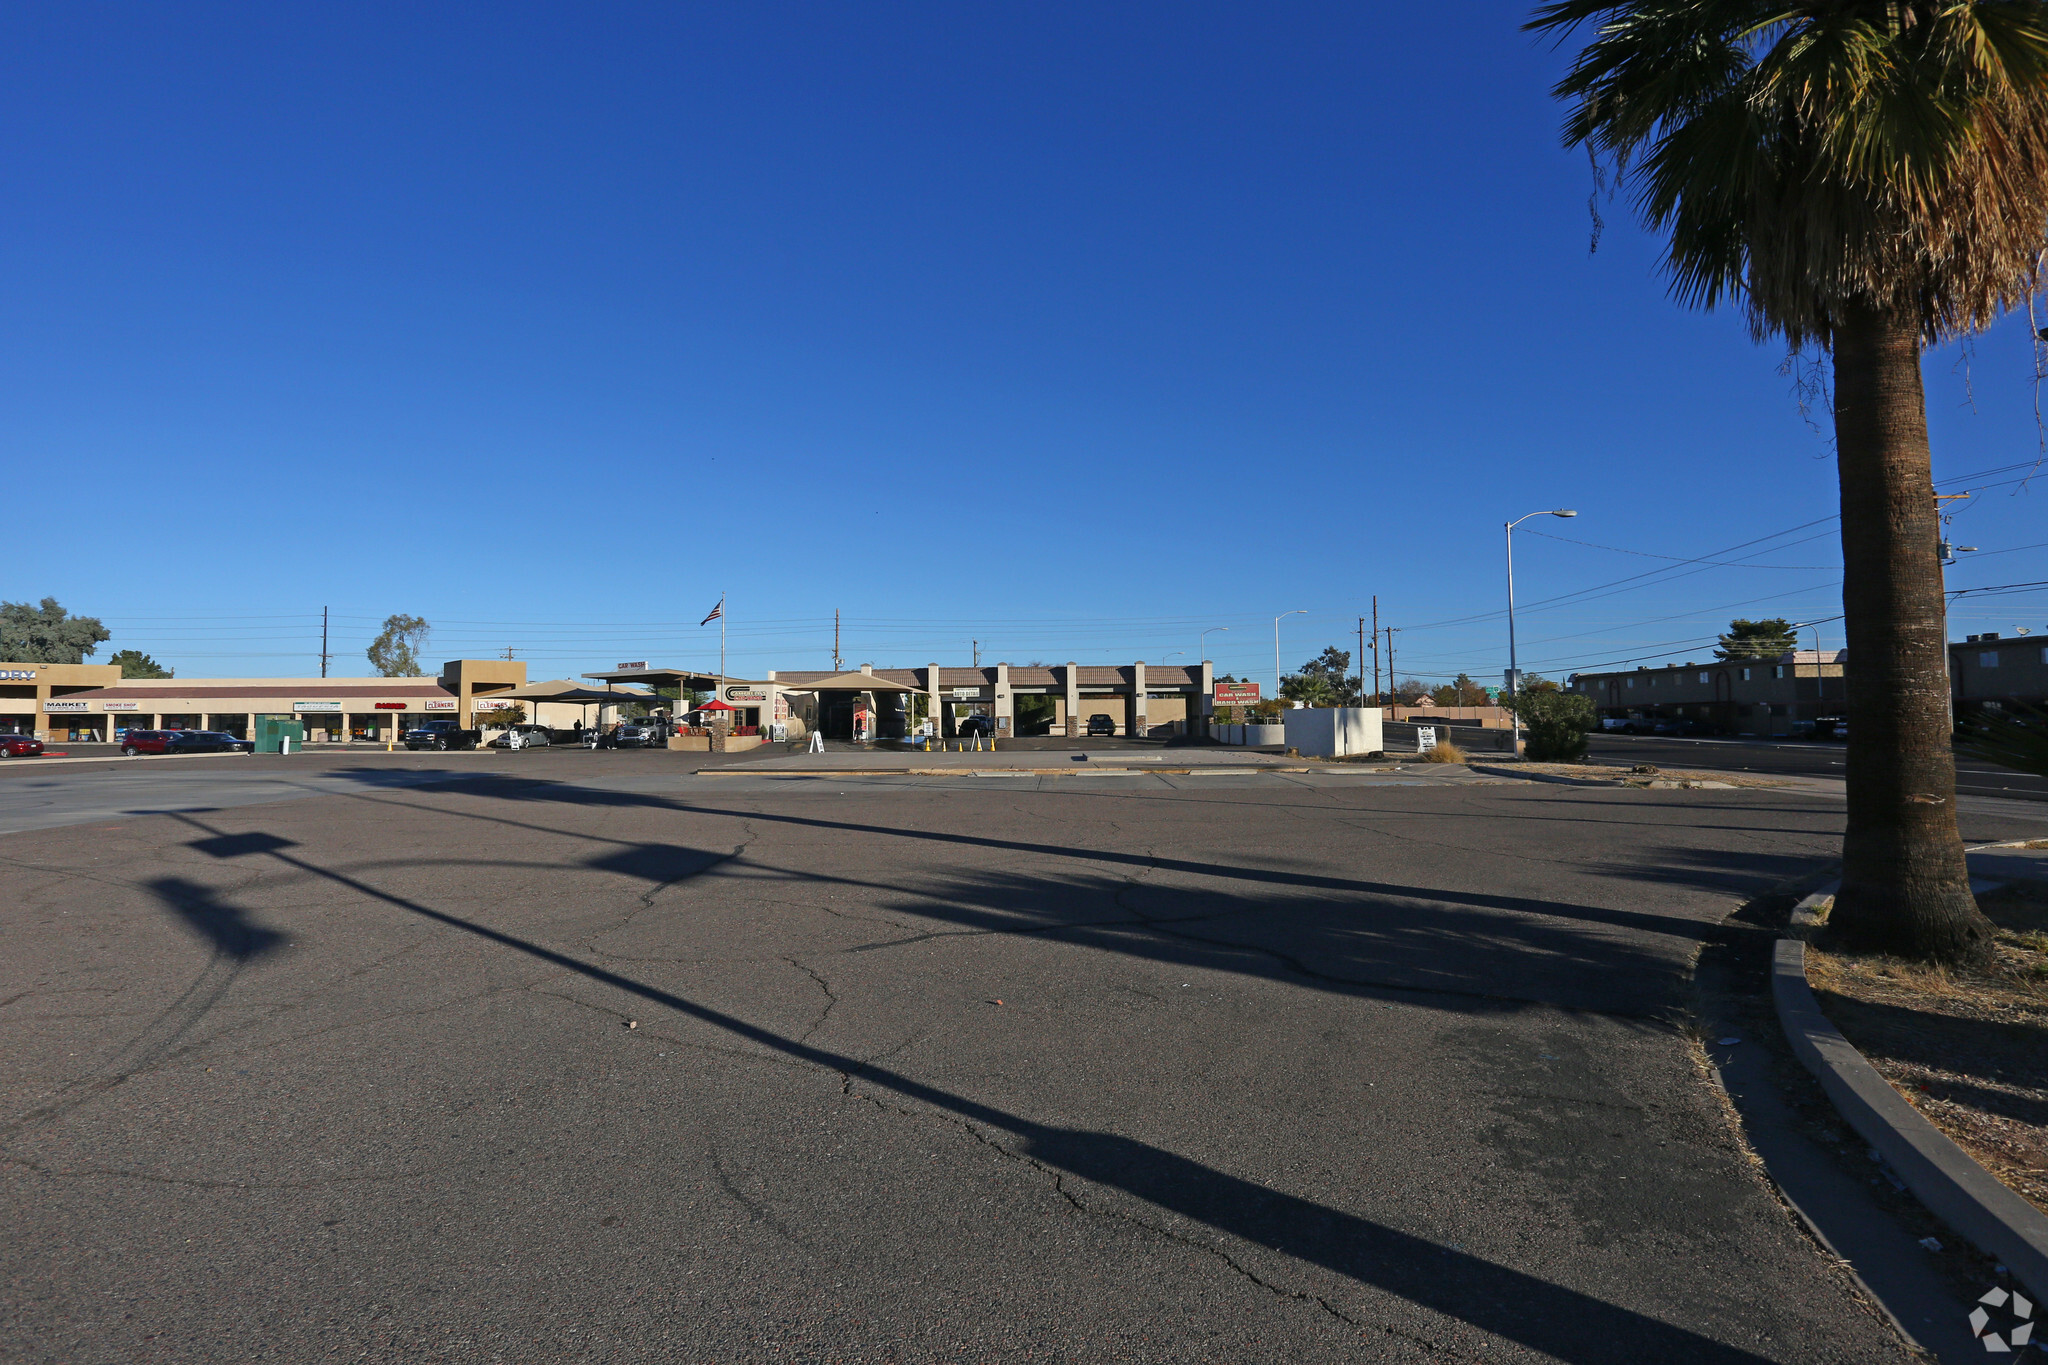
<point>1905,887</point>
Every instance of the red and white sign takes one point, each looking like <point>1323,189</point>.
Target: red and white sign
<point>1237,694</point>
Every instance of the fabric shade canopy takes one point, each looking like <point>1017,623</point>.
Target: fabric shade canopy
<point>716,706</point>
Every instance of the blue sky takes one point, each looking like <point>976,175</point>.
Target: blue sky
<point>1070,330</point>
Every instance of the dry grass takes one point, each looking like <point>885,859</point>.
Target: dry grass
<point>1969,1049</point>
<point>1444,752</point>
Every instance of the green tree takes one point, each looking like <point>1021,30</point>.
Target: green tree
<point>1757,639</point>
<point>395,653</point>
<point>47,634</point>
<point>1459,691</point>
<point>1323,681</point>
<point>135,664</point>
<point>1556,723</point>
<point>1869,178</point>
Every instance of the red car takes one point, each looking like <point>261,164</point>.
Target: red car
<point>20,746</point>
<point>148,742</point>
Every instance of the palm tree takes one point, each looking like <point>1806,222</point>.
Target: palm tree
<point>1869,177</point>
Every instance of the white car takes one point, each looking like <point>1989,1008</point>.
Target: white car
<point>523,737</point>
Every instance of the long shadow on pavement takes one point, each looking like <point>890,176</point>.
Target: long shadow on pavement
<point>1566,1324</point>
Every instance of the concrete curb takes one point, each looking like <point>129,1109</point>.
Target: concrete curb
<point>1944,1177</point>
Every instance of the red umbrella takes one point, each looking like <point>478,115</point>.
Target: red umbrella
<point>716,706</point>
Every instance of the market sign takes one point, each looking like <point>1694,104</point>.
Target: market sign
<point>120,706</point>
<point>390,706</point>
<point>439,704</point>
<point>1237,694</point>
<point>63,706</point>
<point>316,706</point>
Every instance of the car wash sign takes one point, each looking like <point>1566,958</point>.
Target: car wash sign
<point>1237,694</point>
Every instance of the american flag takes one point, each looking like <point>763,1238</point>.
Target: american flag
<point>716,612</point>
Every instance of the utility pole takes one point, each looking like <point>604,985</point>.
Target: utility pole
<point>507,654</point>
<point>1361,661</point>
<point>1947,554</point>
<point>837,667</point>
<point>324,655</point>
<point>1390,660</point>
<point>977,652</point>
<point>1375,649</point>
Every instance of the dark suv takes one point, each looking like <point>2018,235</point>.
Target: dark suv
<point>208,742</point>
<point>1101,724</point>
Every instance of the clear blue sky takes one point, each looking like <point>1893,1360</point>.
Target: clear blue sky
<point>1072,330</point>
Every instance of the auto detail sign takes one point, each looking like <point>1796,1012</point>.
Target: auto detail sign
<point>1237,694</point>
<point>63,707</point>
<point>323,706</point>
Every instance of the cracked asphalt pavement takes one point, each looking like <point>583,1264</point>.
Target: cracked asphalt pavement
<point>580,1057</point>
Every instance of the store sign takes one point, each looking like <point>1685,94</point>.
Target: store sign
<point>1237,694</point>
<point>389,706</point>
<point>641,665</point>
<point>120,706</point>
<point>55,707</point>
<point>744,694</point>
<point>490,703</point>
<point>18,674</point>
<point>782,708</point>
<point>1425,738</point>
<point>322,706</point>
<point>966,694</point>
<point>438,704</point>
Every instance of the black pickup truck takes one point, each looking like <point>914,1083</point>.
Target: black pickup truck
<point>442,734</point>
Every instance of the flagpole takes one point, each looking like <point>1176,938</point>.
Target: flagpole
<point>721,635</point>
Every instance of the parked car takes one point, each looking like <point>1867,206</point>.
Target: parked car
<point>208,742</point>
<point>441,734</point>
<point>976,725</point>
<point>639,734</point>
<point>524,737</point>
<point>20,746</point>
<point>1101,724</point>
<point>149,742</point>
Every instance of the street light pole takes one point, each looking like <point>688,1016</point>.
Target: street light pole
<point>1276,647</point>
<point>1203,648</point>
<point>1514,678</point>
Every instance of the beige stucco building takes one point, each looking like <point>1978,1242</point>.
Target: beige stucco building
<point>84,703</point>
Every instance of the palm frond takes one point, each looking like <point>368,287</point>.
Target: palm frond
<point>1807,157</point>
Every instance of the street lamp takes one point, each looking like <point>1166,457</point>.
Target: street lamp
<point>1276,647</point>
<point>1514,672</point>
<point>1177,654</point>
<point>1204,646</point>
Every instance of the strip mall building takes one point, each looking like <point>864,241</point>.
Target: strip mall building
<point>92,702</point>
<point>88,702</point>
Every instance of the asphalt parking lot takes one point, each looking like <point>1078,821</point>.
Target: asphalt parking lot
<point>547,1057</point>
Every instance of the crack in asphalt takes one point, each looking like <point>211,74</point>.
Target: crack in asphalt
<point>831,999</point>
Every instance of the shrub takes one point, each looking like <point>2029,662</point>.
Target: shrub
<point>1444,752</point>
<point>1557,723</point>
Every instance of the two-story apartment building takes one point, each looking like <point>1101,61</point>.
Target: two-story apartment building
<point>1776,696</point>
<point>1990,670</point>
